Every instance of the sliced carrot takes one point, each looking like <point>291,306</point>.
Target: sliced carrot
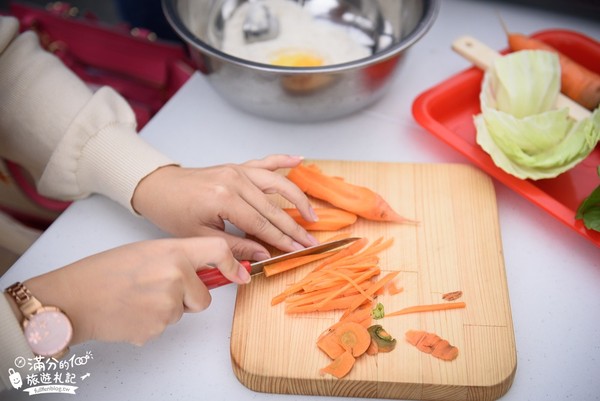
<point>341,366</point>
<point>330,219</point>
<point>339,193</point>
<point>433,344</point>
<point>352,283</point>
<point>353,337</point>
<point>337,296</point>
<point>373,348</point>
<point>394,289</point>
<point>577,82</point>
<point>427,308</point>
<point>329,344</point>
<point>376,286</point>
<point>342,303</point>
<point>377,246</point>
<point>285,265</point>
<point>361,316</point>
<point>351,249</point>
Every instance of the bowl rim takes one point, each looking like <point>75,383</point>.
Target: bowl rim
<point>431,11</point>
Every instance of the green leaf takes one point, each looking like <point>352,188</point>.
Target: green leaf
<point>589,210</point>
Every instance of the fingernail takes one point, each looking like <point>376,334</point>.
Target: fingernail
<point>313,214</point>
<point>243,274</point>
<point>312,239</point>
<point>260,255</point>
<point>297,246</point>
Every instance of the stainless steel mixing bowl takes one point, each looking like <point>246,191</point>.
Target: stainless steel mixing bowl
<point>304,94</point>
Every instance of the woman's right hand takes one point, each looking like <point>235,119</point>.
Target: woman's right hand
<point>132,293</point>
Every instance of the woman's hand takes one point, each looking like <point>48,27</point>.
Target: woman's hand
<point>132,293</point>
<point>197,201</point>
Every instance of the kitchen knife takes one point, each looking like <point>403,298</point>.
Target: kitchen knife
<point>213,277</point>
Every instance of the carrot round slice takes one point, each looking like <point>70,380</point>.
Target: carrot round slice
<point>353,337</point>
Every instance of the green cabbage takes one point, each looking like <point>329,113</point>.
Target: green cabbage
<point>518,126</point>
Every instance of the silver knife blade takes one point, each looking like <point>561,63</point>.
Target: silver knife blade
<point>257,267</point>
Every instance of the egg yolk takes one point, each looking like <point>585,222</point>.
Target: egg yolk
<point>296,58</point>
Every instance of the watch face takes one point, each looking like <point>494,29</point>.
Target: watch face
<point>48,331</point>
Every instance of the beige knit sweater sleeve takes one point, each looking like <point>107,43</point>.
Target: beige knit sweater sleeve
<point>73,141</point>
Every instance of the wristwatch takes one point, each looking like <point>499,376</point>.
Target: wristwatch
<point>47,329</point>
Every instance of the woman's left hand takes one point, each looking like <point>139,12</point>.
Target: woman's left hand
<point>197,202</point>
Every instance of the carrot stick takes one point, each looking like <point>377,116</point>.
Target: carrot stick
<point>358,277</point>
<point>335,304</point>
<point>330,219</point>
<point>285,265</point>
<point>577,82</point>
<point>352,198</point>
<point>350,283</point>
<point>347,251</point>
<point>376,286</point>
<point>324,296</point>
<point>427,308</point>
<point>358,315</point>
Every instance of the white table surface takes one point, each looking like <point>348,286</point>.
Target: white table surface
<point>553,273</point>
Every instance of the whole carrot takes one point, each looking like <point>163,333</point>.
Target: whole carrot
<point>577,82</point>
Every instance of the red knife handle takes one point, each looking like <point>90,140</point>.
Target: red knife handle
<point>213,278</point>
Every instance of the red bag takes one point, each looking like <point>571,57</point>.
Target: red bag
<point>145,71</point>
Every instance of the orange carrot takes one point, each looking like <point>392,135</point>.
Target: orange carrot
<point>330,219</point>
<point>329,344</point>
<point>359,315</point>
<point>427,308</point>
<point>577,82</point>
<point>352,198</point>
<point>335,304</point>
<point>347,251</point>
<point>285,265</point>
<point>340,366</point>
<point>433,344</point>
<point>376,286</point>
<point>353,337</point>
<point>373,348</point>
<point>340,282</point>
<point>393,288</point>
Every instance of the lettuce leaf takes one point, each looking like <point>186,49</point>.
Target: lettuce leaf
<point>518,126</point>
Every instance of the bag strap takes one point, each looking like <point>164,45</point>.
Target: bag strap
<point>91,43</point>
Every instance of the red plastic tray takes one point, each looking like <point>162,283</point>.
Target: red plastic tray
<point>447,111</point>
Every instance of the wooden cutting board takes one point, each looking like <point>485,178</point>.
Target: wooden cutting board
<point>456,246</point>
